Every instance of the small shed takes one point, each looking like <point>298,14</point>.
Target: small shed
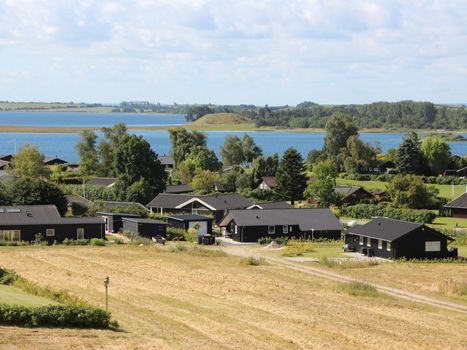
<point>186,221</point>
<point>145,227</point>
<point>114,221</point>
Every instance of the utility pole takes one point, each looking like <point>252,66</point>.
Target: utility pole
<point>106,285</point>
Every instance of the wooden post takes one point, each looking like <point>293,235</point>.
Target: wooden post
<point>106,285</point>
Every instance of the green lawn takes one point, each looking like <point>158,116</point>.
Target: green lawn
<point>445,191</point>
<point>15,296</point>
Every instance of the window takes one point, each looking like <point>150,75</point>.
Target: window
<point>380,244</point>
<point>368,242</point>
<point>290,229</point>
<point>360,240</point>
<point>388,246</point>
<point>285,229</point>
<point>433,246</point>
<point>271,230</point>
<point>236,229</point>
<point>80,233</point>
<point>50,232</point>
<point>10,235</point>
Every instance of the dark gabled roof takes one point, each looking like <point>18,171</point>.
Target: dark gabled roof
<point>145,221</point>
<point>217,202</point>
<point>101,181</point>
<point>270,181</point>
<point>389,229</point>
<point>308,219</point>
<point>51,159</point>
<point>272,205</point>
<point>387,164</point>
<point>179,189</point>
<point>72,198</point>
<point>126,215</point>
<point>38,215</point>
<point>348,190</point>
<point>459,202</point>
<point>166,160</point>
<point>121,205</point>
<point>168,200</point>
<point>189,218</point>
<point>6,156</point>
<point>3,164</point>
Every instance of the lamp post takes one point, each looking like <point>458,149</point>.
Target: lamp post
<point>106,285</point>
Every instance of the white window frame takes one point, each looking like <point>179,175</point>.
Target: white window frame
<point>50,232</point>
<point>290,229</point>
<point>10,235</point>
<point>285,229</point>
<point>380,244</point>
<point>368,242</point>
<point>388,246</point>
<point>273,231</point>
<point>80,232</point>
<point>236,229</point>
<point>360,240</point>
<point>432,246</point>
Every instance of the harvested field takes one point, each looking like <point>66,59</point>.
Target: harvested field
<point>179,300</point>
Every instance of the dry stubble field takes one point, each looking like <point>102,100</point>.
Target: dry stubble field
<point>166,300</point>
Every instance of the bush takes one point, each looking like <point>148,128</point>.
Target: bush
<point>357,288</point>
<point>367,211</point>
<point>97,242</point>
<point>175,234</point>
<point>252,261</point>
<point>297,247</point>
<point>54,316</point>
<point>68,241</point>
<point>347,263</point>
<point>78,209</point>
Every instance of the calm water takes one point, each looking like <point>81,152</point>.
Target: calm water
<point>63,144</point>
<point>88,119</point>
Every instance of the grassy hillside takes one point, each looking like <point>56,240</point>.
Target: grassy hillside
<point>223,121</point>
<point>195,299</point>
<point>12,295</point>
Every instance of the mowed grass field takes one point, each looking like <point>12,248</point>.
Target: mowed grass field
<point>183,300</point>
<point>15,296</point>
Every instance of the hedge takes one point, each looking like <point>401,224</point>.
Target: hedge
<point>55,316</point>
<point>367,211</point>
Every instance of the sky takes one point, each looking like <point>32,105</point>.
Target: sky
<point>233,51</point>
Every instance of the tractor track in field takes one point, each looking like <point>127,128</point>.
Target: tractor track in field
<point>395,292</point>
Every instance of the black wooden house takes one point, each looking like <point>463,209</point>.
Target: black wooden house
<point>26,223</point>
<point>393,239</point>
<point>114,221</point>
<point>145,227</point>
<point>311,223</point>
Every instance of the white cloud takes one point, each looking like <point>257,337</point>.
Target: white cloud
<point>322,50</point>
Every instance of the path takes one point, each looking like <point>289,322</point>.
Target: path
<point>399,293</point>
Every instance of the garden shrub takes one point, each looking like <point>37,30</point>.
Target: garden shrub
<point>54,316</point>
<point>175,234</point>
<point>367,211</point>
<point>252,261</point>
<point>97,242</point>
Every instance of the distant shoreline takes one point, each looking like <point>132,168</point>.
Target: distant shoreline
<point>217,127</point>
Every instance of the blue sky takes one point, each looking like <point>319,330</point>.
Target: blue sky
<point>233,51</point>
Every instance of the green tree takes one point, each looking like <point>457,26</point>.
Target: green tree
<point>140,191</point>
<point>437,154</point>
<point>313,157</point>
<point>232,150</point>
<point>186,171</point>
<point>409,158</point>
<point>251,150</point>
<point>204,181</point>
<point>28,163</point>
<point>409,191</point>
<point>135,160</point>
<point>205,158</point>
<point>4,195</point>
<point>291,178</point>
<point>87,152</point>
<point>323,184</point>
<point>264,166</point>
<point>359,155</point>
<point>107,147</point>
<point>228,180</point>
<point>338,130</point>
<point>183,142</point>
<point>30,191</point>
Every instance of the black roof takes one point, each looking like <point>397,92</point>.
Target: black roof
<point>308,218</point>
<point>145,221</point>
<point>52,159</point>
<point>459,202</point>
<point>214,202</point>
<point>73,198</point>
<point>347,190</point>
<point>118,214</point>
<point>38,215</point>
<point>389,229</point>
<point>189,218</point>
<point>272,205</point>
<point>178,189</point>
<point>101,181</point>
<point>6,156</point>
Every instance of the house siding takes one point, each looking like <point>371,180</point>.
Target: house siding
<point>62,231</point>
<point>145,229</point>
<point>459,212</point>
